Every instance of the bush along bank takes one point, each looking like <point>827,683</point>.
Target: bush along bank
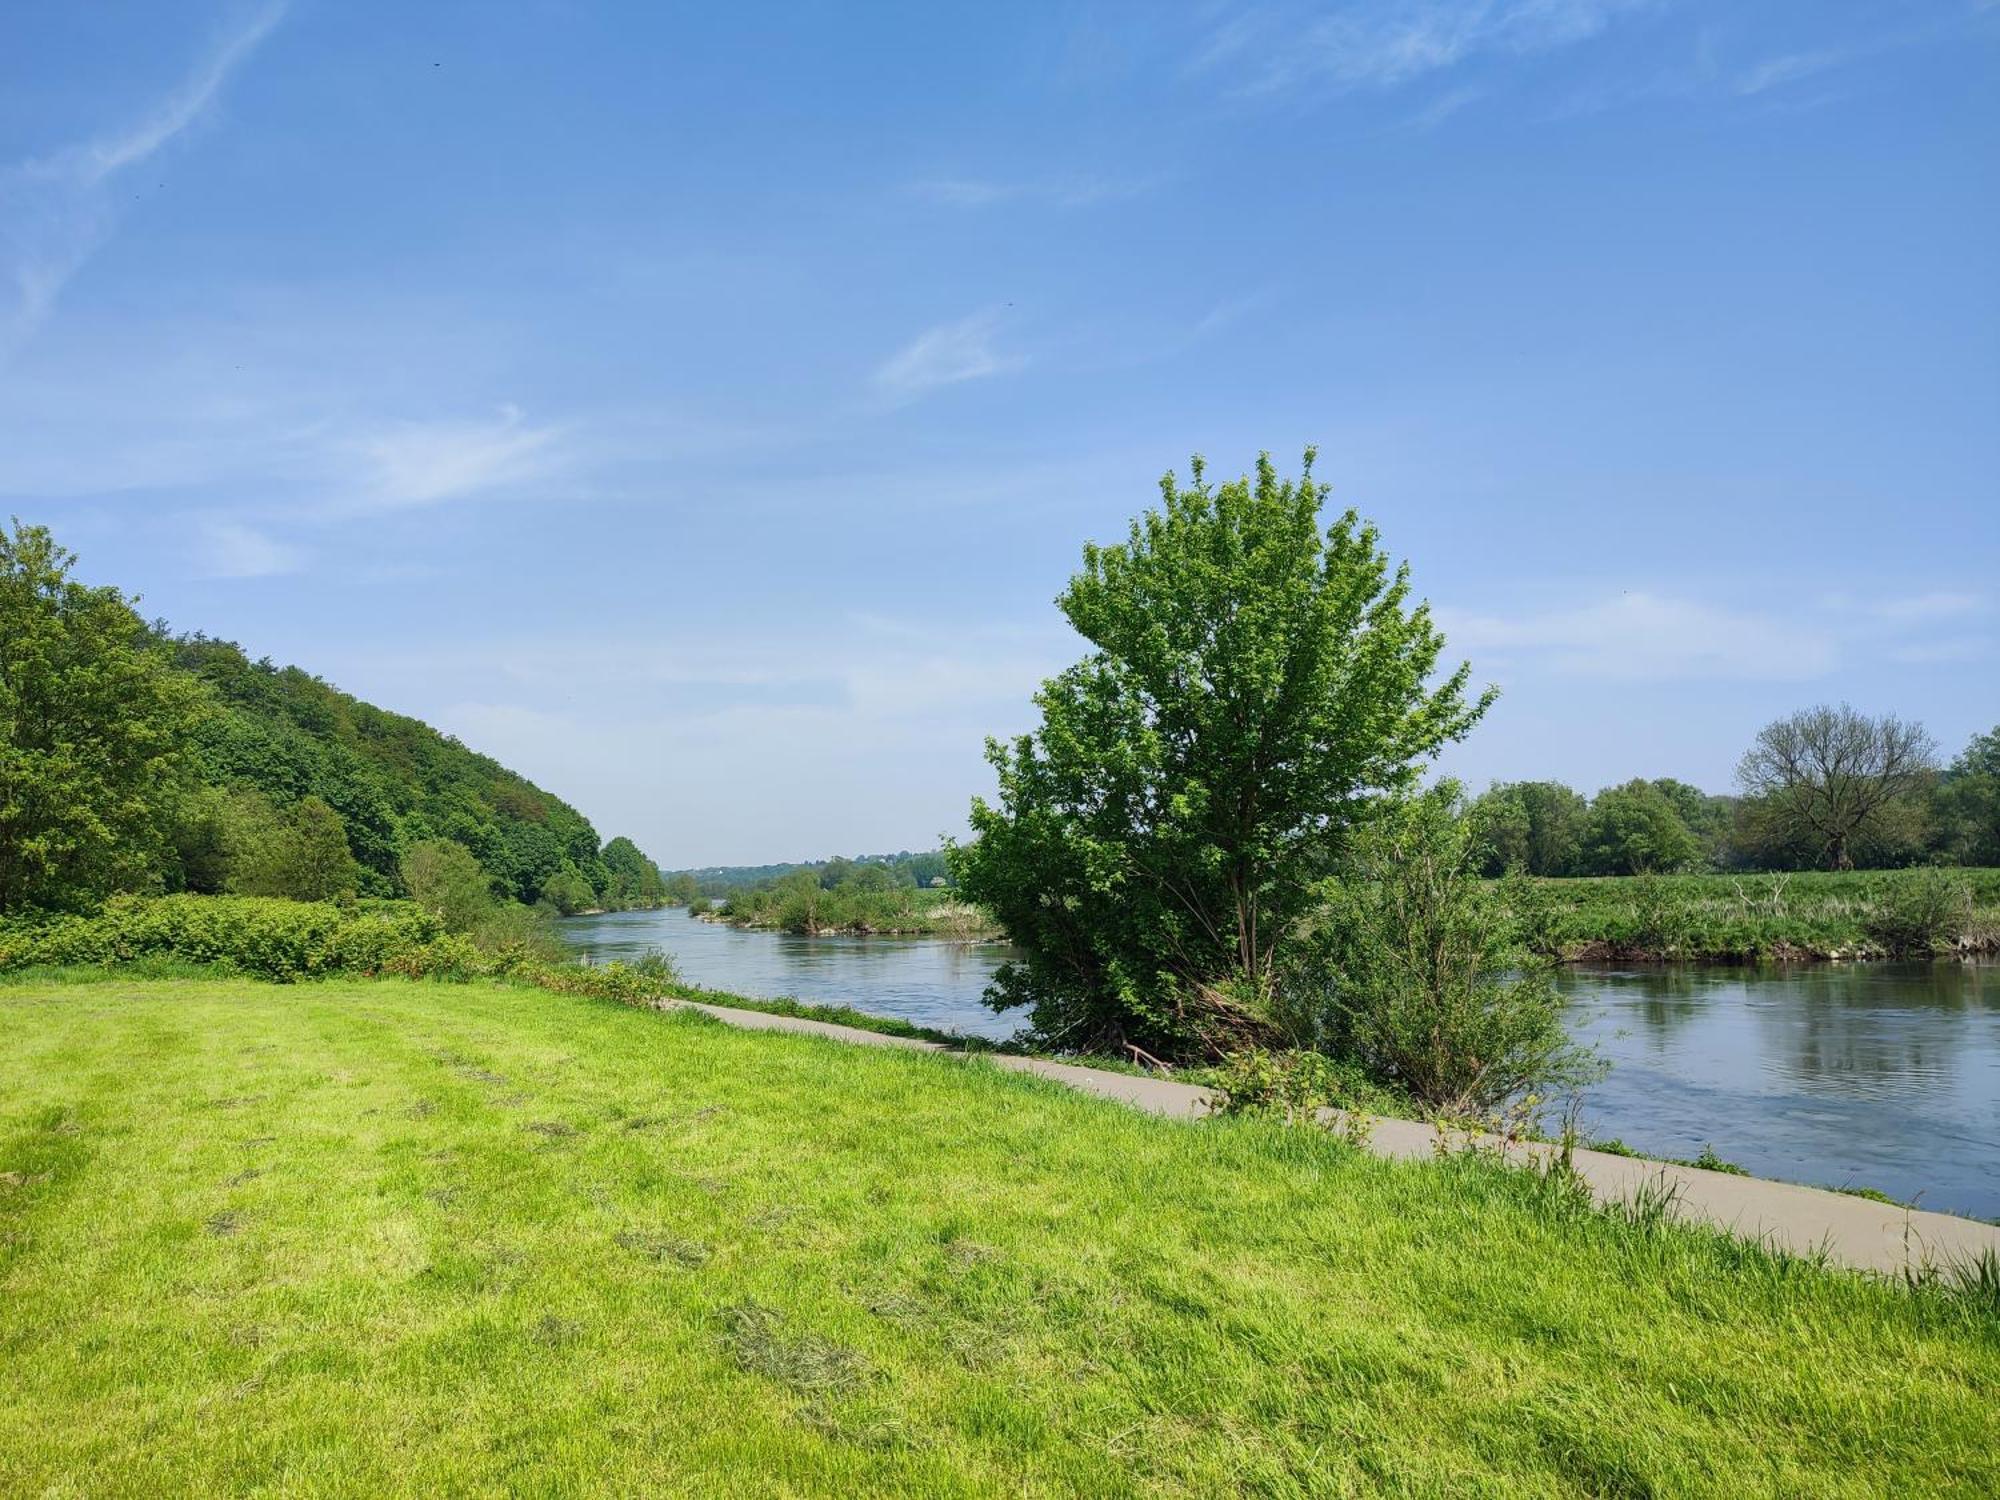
<point>288,941</point>
<point>285,942</point>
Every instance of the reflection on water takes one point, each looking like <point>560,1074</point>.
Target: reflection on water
<point>1883,1075</point>
<point>1879,1075</point>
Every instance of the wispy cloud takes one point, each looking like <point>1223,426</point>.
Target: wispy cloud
<point>55,210</point>
<point>423,463</point>
<point>229,549</point>
<point>1059,192</point>
<point>1650,636</point>
<point>1939,604</point>
<point>1643,637</point>
<point>1383,44</point>
<point>1441,109</point>
<point>1942,652</point>
<point>1776,72</point>
<point>946,355</point>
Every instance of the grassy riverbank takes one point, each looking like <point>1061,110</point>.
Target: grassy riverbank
<point>1746,918</point>
<point>1859,914</point>
<point>403,1237</point>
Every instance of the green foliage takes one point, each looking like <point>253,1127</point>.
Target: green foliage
<point>658,965</point>
<point>1708,1161</point>
<point>523,933</point>
<point>1967,806</point>
<point>568,892</point>
<point>1416,972</point>
<point>928,869</point>
<point>1255,685</point>
<point>444,879</point>
<point>94,730</point>
<point>1928,911</point>
<point>632,880</point>
<point>286,941</point>
<point>132,761</point>
<point>1296,1085</point>
<point>300,854</point>
<point>1753,917</point>
<point>394,781</point>
<point>1831,778</point>
<point>267,937</point>
<point>1636,829</point>
<point>865,898</point>
<point>1532,826</point>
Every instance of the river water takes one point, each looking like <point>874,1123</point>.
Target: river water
<point>1869,1075</point>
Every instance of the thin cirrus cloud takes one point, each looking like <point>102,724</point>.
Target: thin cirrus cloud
<point>1060,192</point>
<point>1642,637</point>
<point>1779,71</point>
<point>56,209</point>
<point>946,355</point>
<point>1939,604</point>
<point>427,463</point>
<point>1384,44</point>
<point>230,549</point>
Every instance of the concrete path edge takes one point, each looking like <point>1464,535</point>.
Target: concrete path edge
<point>1849,1231</point>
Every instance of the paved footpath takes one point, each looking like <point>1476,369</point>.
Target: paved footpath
<point>1852,1231</point>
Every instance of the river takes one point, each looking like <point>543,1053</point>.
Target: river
<point>1868,1075</point>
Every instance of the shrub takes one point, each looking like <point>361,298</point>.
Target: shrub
<point>444,877</point>
<point>568,892</point>
<point>1414,972</point>
<point>265,936</point>
<point>1925,911</point>
<point>658,964</point>
<point>1296,1085</point>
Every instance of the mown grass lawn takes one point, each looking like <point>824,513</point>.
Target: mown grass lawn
<point>388,1238</point>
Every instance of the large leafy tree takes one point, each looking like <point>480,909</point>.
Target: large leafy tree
<point>1833,777</point>
<point>1534,826</point>
<point>1637,829</point>
<point>94,733</point>
<point>1255,684</point>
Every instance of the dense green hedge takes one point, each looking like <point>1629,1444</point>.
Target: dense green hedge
<point>294,940</point>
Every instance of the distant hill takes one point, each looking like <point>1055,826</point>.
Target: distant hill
<point>395,781</point>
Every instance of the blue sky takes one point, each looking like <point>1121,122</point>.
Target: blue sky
<point>699,408</point>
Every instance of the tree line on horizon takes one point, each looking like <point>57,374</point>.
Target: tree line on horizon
<point>134,759</point>
<point>905,868</point>
<point>1823,788</point>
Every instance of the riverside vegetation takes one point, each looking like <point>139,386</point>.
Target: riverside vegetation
<point>861,897</point>
<point>1916,913</point>
<point>467,1225</point>
<point>413,1238</point>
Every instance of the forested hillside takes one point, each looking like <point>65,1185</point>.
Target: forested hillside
<point>285,735</point>
<point>132,759</point>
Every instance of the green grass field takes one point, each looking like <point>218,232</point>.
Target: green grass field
<point>410,1238</point>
